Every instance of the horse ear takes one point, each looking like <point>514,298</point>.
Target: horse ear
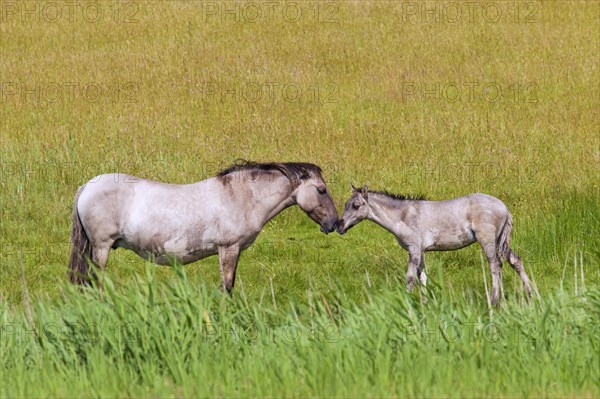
<point>353,188</point>
<point>364,191</point>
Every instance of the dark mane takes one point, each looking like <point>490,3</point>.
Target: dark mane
<point>401,197</point>
<point>294,171</point>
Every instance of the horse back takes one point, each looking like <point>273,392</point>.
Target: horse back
<point>147,213</point>
<point>455,223</point>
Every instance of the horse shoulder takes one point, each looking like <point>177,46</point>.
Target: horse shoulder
<point>409,213</point>
<point>225,211</point>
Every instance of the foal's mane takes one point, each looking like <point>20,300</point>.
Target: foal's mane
<point>293,171</point>
<point>400,197</point>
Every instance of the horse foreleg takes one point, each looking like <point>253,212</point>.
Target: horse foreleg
<point>421,271</point>
<point>414,260</point>
<point>228,260</point>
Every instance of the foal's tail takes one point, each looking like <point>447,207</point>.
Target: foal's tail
<point>503,242</point>
<point>81,250</point>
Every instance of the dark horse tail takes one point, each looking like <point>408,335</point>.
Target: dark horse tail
<point>81,250</point>
<point>503,242</point>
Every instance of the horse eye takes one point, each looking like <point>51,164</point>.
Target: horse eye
<point>355,205</point>
<point>321,190</point>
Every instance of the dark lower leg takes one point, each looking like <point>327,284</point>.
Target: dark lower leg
<point>517,265</point>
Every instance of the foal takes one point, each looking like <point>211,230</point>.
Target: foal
<point>421,226</point>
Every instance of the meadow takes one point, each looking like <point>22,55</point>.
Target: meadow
<point>437,98</point>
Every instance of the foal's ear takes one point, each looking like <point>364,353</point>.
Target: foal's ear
<point>353,188</point>
<point>364,191</point>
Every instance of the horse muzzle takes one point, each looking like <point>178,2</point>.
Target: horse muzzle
<point>343,227</point>
<point>340,227</point>
<point>329,227</point>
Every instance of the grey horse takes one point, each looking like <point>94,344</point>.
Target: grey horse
<point>168,222</point>
<point>421,226</point>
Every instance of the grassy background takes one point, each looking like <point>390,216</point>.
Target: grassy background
<point>373,92</point>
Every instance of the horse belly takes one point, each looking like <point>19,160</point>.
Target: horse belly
<point>170,258</point>
<point>448,240</point>
<point>165,251</point>
<point>166,233</point>
<point>187,252</point>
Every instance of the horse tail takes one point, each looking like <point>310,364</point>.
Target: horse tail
<point>503,242</point>
<point>81,250</point>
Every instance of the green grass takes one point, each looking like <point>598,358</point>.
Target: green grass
<point>353,66</point>
<point>181,339</point>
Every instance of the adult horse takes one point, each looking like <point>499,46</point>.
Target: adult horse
<point>169,222</point>
<point>421,226</point>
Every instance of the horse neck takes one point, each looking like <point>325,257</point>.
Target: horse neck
<point>270,195</point>
<point>383,212</point>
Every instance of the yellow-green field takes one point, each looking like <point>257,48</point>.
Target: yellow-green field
<point>440,98</point>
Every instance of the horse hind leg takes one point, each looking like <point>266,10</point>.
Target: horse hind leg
<point>100,256</point>
<point>515,262</point>
<point>495,262</point>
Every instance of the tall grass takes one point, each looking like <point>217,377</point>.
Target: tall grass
<point>181,339</point>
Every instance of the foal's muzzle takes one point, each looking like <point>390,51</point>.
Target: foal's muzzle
<point>341,228</point>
